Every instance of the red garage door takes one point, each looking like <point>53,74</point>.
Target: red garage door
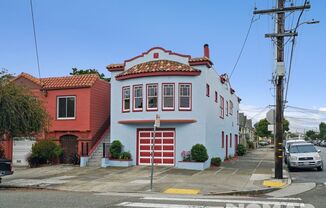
<point>163,147</point>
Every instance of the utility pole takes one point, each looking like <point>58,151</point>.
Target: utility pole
<point>280,34</point>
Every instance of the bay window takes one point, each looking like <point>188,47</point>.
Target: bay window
<point>185,96</point>
<point>168,97</point>
<point>138,98</point>
<point>126,99</point>
<point>152,97</point>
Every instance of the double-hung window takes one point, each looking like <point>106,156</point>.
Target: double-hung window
<point>138,98</point>
<point>185,96</point>
<point>66,107</point>
<point>231,107</point>
<point>221,106</point>
<point>168,97</point>
<point>227,108</point>
<point>126,99</point>
<point>152,97</point>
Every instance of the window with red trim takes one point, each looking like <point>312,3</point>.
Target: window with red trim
<point>227,108</point>
<point>230,140</point>
<point>168,97</point>
<point>222,139</point>
<point>216,97</point>
<point>221,106</point>
<point>138,98</point>
<point>152,96</point>
<point>207,90</point>
<point>185,97</point>
<point>126,99</point>
<point>231,107</point>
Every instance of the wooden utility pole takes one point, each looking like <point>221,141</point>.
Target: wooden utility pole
<point>279,76</point>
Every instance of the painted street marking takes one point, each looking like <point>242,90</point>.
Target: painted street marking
<point>152,205</point>
<point>234,172</point>
<point>286,199</point>
<point>181,191</point>
<point>219,170</point>
<point>272,183</point>
<point>275,203</point>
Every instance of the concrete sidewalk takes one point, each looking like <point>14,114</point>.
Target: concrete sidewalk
<point>247,173</point>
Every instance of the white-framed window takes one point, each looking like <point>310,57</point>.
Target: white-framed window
<point>152,97</point>
<point>185,96</point>
<point>221,106</point>
<point>168,96</point>
<point>138,97</point>
<point>66,107</point>
<point>126,99</point>
<point>231,107</point>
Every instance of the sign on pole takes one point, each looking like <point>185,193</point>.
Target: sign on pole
<point>271,128</point>
<point>270,116</point>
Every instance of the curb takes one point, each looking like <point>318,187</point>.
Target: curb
<point>244,193</point>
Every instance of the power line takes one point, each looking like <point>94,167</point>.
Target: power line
<point>35,40</point>
<point>243,45</point>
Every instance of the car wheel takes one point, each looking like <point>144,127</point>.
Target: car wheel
<point>320,168</point>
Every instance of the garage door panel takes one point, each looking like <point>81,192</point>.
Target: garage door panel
<point>163,147</point>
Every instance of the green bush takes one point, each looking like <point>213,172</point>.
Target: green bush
<point>216,161</point>
<point>44,152</point>
<point>115,149</point>
<point>241,150</point>
<point>2,152</point>
<point>125,156</point>
<point>199,153</point>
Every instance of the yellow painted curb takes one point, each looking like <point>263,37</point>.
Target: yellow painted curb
<point>181,191</point>
<point>273,183</point>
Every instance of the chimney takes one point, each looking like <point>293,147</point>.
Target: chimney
<point>206,51</point>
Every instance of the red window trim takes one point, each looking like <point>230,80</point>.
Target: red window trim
<point>133,98</point>
<point>216,97</point>
<point>151,109</point>
<point>122,98</point>
<point>162,92</point>
<point>223,139</point>
<point>221,107</point>
<point>231,107</point>
<point>207,90</point>
<point>227,108</point>
<point>230,139</point>
<point>190,102</point>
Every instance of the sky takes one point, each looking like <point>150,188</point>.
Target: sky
<point>92,34</point>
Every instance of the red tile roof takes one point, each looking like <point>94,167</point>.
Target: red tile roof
<point>158,66</point>
<point>67,82</point>
<point>200,61</point>
<point>115,67</point>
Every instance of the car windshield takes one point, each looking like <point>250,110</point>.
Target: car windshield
<point>302,149</point>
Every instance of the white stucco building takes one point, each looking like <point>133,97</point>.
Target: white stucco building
<point>196,104</point>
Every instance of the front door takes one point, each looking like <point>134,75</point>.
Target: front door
<point>69,145</point>
<point>226,147</point>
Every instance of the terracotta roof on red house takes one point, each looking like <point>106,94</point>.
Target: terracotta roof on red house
<point>160,67</point>
<point>67,82</point>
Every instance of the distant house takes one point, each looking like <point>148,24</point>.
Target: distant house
<point>79,109</point>
<point>246,130</point>
<point>195,103</point>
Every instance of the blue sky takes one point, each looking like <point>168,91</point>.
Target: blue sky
<point>93,34</point>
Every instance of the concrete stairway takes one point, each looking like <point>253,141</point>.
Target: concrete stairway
<point>96,157</point>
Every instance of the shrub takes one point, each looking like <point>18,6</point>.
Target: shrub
<point>199,153</point>
<point>241,150</point>
<point>44,152</point>
<point>2,152</point>
<point>125,156</point>
<point>216,161</point>
<point>115,149</point>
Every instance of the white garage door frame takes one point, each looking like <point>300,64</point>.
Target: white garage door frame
<point>164,141</point>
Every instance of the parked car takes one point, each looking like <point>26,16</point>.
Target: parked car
<point>5,168</point>
<point>304,155</point>
<point>322,143</point>
<point>287,144</point>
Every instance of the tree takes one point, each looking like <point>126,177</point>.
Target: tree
<point>20,113</point>
<point>322,130</point>
<point>262,128</point>
<point>286,125</point>
<point>311,134</point>
<point>76,71</point>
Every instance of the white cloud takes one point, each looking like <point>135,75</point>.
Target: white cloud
<point>322,109</point>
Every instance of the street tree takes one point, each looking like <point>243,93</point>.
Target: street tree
<point>311,134</point>
<point>21,114</point>
<point>76,71</point>
<point>262,128</point>
<point>322,130</point>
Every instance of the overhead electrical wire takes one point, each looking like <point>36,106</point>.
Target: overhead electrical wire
<point>35,40</point>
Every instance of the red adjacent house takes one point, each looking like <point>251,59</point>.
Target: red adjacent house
<point>78,106</point>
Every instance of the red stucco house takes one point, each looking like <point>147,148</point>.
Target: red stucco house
<point>78,106</point>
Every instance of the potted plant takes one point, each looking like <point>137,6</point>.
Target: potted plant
<point>196,159</point>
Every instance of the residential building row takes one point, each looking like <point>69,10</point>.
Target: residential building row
<point>196,105</point>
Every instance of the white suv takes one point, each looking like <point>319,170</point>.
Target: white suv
<point>304,155</point>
